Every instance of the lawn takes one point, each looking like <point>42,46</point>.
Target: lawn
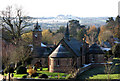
<point>105,76</point>
<point>49,74</point>
<point>98,72</point>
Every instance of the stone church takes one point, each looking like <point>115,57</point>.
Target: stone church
<point>67,55</point>
<point>71,54</point>
<point>40,50</point>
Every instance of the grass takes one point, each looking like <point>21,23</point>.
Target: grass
<point>105,76</point>
<point>49,74</point>
<point>98,72</point>
<point>19,75</point>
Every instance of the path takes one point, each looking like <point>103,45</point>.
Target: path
<point>1,77</point>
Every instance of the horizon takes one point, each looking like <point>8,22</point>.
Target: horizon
<point>52,8</point>
<point>75,16</point>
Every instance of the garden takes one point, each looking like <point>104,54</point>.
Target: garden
<point>34,73</point>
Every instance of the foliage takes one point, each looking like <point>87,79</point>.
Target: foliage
<point>46,72</point>
<point>21,70</point>
<point>43,76</point>
<point>81,34</point>
<point>92,35</point>
<point>6,53</point>
<point>104,34</point>
<point>34,75</point>
<point>9,69</point>
<point>14,21</point>
<point>25,76</point>
<point>20,53</point>
<point>116,50</point>
<point>47,36</point>
<point>6,35</point>
<point>31,71</point>
<point>61,30</point>
<point>112,28</point>
<point>28,60</point>
<point>57,37</point>
<point>117,31</point>
<point>74,26</point>
<point>27,37</point>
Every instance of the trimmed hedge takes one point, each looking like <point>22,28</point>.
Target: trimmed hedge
<point>7,70</point>
<point>21,70</point>
<point>43,76</point>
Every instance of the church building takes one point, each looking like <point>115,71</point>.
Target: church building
<point>40,50</point>
<point>68,55</point>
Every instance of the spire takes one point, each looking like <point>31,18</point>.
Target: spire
<point>67,33</point>
<point>37,27</point>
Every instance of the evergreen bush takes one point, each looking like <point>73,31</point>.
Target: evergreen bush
<point>21,70</point>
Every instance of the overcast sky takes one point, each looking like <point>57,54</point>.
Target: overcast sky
<point>80,8</point>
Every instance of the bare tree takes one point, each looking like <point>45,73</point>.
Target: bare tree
<point>14,22</point>
<point>6,50</point>
<point>21,52</point>
<point>109,68</point>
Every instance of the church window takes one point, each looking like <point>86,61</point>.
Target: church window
<point>58,62</point>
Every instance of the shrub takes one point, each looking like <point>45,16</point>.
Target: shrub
<point>11,70</point>
<point>28,60</point>
<point>25,76</point>
<point>7,70</point>
<point>34,75</point>
<point>41,69</point>
<point>21,70</point>
<point>43,76</point>
<point>31,71</point>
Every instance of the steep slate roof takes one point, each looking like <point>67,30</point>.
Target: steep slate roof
<point>41,52</point>
<point>37,27</point>
<point>38,52</point>
<point>60,52</point>
<point>74,45</point>
<point>95,49</point>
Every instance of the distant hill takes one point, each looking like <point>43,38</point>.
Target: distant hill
<point>54,23</point>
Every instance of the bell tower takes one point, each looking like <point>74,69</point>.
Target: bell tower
<point>37,35</point>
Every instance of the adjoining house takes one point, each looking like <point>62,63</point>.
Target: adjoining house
<point>96,54</point>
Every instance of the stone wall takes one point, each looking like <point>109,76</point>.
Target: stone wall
<point>98,58</point>
<point>65,65</point>
<point>83,59</point>
<point>90,58</point>
<point>82,69</point>
<point>78,61</point>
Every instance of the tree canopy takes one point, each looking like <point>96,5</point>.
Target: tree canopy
<point>116,50</point>
<point>14,21</point>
